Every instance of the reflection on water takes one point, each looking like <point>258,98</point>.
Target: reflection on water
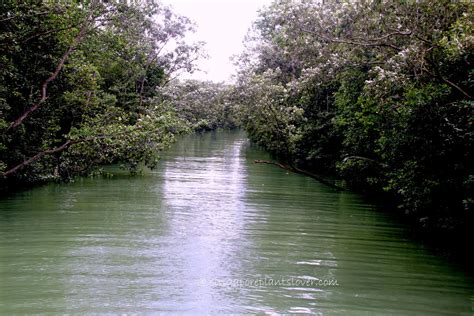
<point>210,232</point>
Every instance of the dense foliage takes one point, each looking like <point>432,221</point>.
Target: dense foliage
<point>78,85</point>
<point>379,91</point>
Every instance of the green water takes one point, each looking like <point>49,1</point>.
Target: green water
<point>210,232</point>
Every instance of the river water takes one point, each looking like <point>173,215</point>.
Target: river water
<point>210,232</point>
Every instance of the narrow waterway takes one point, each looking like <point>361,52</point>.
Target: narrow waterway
<point>210,232</point>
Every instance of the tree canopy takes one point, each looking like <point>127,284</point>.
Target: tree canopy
<point>78,85</point>
<point>378,91</point>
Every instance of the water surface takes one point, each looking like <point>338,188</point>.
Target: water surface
<point>210,232</point>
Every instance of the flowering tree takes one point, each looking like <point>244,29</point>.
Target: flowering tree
<point>378,90</point>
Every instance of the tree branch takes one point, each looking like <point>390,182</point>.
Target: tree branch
<point>37,157</point>
<point>47,33</point>
<point>59,67</point>
<point>303,172</point>
<point>387,36</point>
<point>351,42</point>
<point>152,58</point>
<point>54,150</point>
<point>452,84</point>
<point>31,15</point>
<point>455,86</point>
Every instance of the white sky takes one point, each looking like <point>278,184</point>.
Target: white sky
<point>222,24</point>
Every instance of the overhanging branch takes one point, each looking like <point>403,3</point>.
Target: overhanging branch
<point>36,157</point>
<point>303,172</point>
<point>57,149</point>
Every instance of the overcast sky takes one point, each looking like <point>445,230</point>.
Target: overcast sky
<point>222,24</point>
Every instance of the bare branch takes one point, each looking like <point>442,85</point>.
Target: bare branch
<point>455,86</point>
<point>47,33</point>
<point>449,82</point>
<point>303,172</point>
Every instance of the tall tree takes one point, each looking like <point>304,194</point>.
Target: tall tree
<point>377,90</point>
<point>79,84</point>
